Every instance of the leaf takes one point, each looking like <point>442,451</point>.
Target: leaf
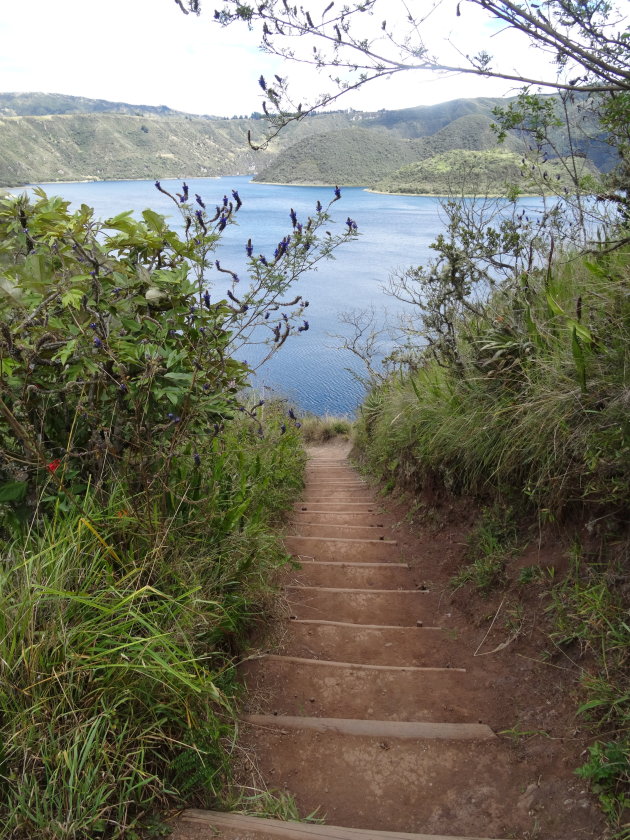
<point>64,354</point>
<point>154,221</point>
<point>13,491</point>
<point>73,298</point>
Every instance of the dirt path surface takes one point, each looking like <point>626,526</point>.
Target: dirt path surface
<point>372,708</point>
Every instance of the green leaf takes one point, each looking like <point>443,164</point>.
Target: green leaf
<point>13,491</point>
<point>73,297</point>
<point>154,221</point>
<point>64,354</point>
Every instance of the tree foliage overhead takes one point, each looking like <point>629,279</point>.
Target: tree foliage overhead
<point>588,39</point>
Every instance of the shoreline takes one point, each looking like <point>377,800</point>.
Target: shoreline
<point>274,184</point>
<point>122,180</point>
<point>404,194</point>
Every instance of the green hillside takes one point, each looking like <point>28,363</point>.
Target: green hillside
<point>426,120</point>
<point>361,156</point>
<point>106,146</point>
<point>41,104</point>
<point>352,157</point>
<point>53,137</point>
<point>490,171</point>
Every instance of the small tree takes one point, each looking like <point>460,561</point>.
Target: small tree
<point>587,41</point>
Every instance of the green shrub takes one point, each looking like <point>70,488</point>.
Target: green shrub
<point>139,486</point>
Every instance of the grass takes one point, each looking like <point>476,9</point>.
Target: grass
<point>118,642</point>
<point>534,417</point>
<point>321,429</point>
<point>490,545</point>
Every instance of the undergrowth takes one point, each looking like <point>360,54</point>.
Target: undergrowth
<point>523,404</point>
<point>490,545</point>
<point>117,687</point>
<point>321,429</point>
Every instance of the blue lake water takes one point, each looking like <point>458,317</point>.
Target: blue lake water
<point>396,232</point>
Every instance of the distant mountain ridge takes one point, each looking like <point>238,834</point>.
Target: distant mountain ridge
<point>55,137</point>
<point>44,104</point>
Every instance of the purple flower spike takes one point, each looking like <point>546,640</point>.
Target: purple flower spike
<point>197,459</point>
<point>199,201</point>
<point>97,342</point>
<point>249,248</point>
<point>337,193</point>
<point>262,259</point>
<point>225,201</point>
<point>293,216</point>
<point>283,429</point>
<point>222,223</point>
<point>262,83</point>
<point>206,298</point>
<point>237,199</point>
<point>291,414</point>
<point>319,207</point>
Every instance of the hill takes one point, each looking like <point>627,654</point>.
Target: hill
<point>363,156</point>
<point>43,104</point>
<point>352,157</point>
<point>491,171</point>
<point>53,137</point>
<point>110,145</point>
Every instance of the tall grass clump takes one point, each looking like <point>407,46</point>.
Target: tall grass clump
<point>521,400</point>
<point>535,405</point>
<point>139,489</point>
<point>321,429</point>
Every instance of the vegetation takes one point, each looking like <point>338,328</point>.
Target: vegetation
<point>322,429</point>
<point>369,39</point>
<point>138,487</point>
<point>523,400</point>
<point>49,137</point>
<point>492,172</point>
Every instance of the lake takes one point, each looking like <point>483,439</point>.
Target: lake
<point>396,231</point>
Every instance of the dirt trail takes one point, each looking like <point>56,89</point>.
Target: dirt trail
<point>372,710</point>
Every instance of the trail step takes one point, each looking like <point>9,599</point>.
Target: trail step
<point>357,666</point>
<point>400,729</point>
<point>353,575</point>
<point>239,824</point>
<point>372,644</point>
<point>302,588</point>
<point>294,686</point>
<point>340,540</point>
<point>357,627</point>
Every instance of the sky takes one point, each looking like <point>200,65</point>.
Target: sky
<point>147,52</point>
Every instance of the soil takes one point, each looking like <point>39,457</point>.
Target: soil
<point>371,630</point>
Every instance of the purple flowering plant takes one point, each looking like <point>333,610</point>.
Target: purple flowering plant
<point>112,329</point>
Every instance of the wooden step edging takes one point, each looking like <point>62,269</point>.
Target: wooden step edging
<point>357,591</point>
<point>400,729</point>
<point>357,666</point>
<point>340,540</point>
<point>290,830</point>
<point>324,622</point>
<point>352,565</point>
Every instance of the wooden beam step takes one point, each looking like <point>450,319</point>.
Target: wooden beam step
<point>239,825</point>
<point>399,729</point>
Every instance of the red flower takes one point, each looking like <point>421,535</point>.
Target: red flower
<point>54,465</point>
